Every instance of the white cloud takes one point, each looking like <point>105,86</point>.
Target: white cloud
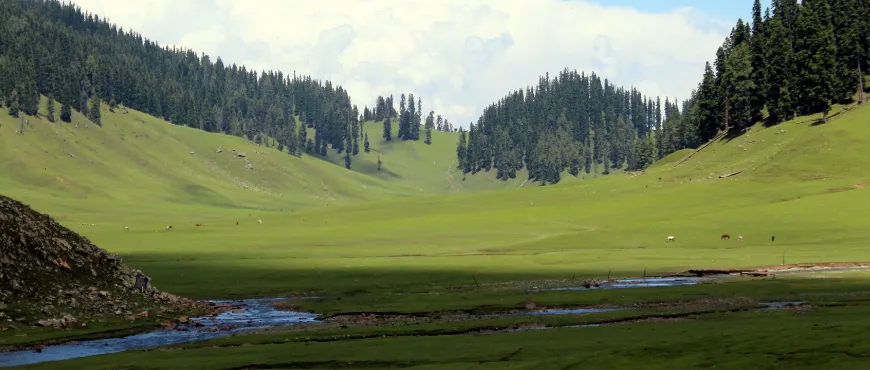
<point>457,55</point>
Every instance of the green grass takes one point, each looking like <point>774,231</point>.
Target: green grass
<point>798,185</point>
<point>372,238</point>
<point>734,340</point>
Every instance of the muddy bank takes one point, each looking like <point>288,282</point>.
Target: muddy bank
<point>783,269</point>
<point>239,316</point>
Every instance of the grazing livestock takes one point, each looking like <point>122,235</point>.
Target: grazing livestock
<point>726,236</point>
<point>671,238</point>
<point>198,225</point>
<point>237,223</point>
<point>168,227</point>
<point>740,238</point>
<point>126,228</point>
<point>772,238</point>
<point>259,221</point>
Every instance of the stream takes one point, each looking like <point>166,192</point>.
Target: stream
<point>650,282</point>
<point>254,314</point>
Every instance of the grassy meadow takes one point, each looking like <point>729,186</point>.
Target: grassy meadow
<point>368,240</point>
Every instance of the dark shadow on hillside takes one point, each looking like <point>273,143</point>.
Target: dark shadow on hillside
<point>733,133</point>
<point>769,122</point>
<point>200,277</point>
<point>363,168</point>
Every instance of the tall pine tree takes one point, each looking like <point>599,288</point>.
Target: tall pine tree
<point>756,50</point>
<point>388,130</point>
<point>815,58</point>
<point>49,108</point>
<point>779,86</point>
<point>741,87</point>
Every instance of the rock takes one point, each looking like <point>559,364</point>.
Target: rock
<point>237,311</point>
<point>183,319</point>
<point>143,314</point>
<point>42,263</point>
<point>68,320</point>
<point>48,323</point>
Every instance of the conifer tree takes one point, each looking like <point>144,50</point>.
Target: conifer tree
<point>83,104</point>
<point>388,130</point>
<point>461,151</point>
<point>355,135</point>
<point>430,123</point>
<point>366,143</point>
<point>708,125</point>
<point>418,121</point>
<point>49,108</point>
<point>757,45</point>
<point>302,136</point>
<point>815,57</point>
<point>741,87</point>
<point>94,111</point>
<point>849,28</point>
<point>347,153</point>
<point>779,58</point>
<point>13,103</point>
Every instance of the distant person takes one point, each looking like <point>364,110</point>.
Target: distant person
<point>772,238</point>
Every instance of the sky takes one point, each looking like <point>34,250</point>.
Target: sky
<point>457,55</point>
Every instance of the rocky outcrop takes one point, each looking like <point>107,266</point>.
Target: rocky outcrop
<point>49,275</point>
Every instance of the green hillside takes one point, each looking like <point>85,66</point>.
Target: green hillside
<point>141,162</point>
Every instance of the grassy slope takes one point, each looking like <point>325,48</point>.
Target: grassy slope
<point>804,185</point>
<point>136,164</point>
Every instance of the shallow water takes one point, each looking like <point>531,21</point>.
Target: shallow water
<point>641,283</point>
<point>778,305</point>
<point>571,311</point>
<point>256,314</point>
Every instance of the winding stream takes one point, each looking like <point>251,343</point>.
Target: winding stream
<point>258,314</point>
<point>249,314</point>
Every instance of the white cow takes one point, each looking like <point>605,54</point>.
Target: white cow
<point>126,228</point>
<point>739,238</point>
<point>671,238</point>
<point>259,221</point>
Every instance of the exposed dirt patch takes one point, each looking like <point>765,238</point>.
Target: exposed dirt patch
<point>812,266</point>
<point>773,269</point>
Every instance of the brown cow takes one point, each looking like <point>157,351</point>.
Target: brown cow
<point>198,225</point>
<point>726,236</point>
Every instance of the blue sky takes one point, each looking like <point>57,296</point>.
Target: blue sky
<point>724,9</point>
